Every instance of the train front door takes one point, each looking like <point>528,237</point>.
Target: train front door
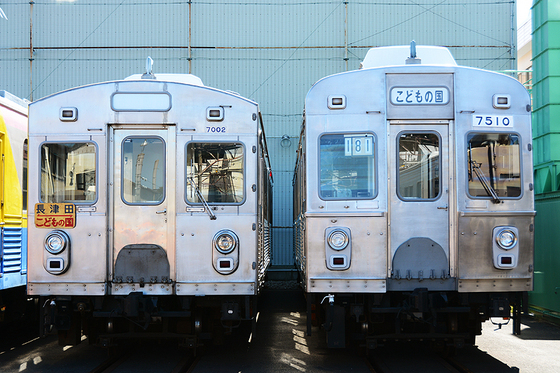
<point>143,209</point>
<point>419,201</point>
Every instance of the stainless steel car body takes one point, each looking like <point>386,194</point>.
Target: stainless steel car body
<point>138,230</point>
<point>439,232</point>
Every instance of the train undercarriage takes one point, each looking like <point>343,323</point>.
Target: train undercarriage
<point>107,320</point>
<point>449,318</point>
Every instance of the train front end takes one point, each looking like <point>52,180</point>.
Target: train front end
<point>414,212</point>
<point>144,210</point>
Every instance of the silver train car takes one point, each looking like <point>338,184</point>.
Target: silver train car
<point>413,200</point>
<point>150,209</point>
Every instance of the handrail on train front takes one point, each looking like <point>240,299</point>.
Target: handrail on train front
<point>265,147</point>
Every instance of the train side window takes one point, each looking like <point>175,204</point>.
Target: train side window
<point>68,172</point>
<point>493,165</point>
<point>347,166</point>
<point>419,166</point>
<point>143,170</point>
<point>217,172</point>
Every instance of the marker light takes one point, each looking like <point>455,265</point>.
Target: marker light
<point>338,240</point>
<point>56,242</point>
<point>506,238</point>
<point>225,241</point>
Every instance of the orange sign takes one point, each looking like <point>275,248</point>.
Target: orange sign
<point>55,215</point>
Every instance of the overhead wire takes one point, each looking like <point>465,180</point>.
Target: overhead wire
<point>76,48</point>
<point>294,52</point>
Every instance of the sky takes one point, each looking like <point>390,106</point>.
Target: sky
<point>523,11</point>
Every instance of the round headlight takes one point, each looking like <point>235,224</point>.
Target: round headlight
<point>56,242</point>
<point>506,239</point>
<point>338,240</point>
<point>225,241</point>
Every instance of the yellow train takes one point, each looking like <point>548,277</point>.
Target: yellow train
<point>13,209</point>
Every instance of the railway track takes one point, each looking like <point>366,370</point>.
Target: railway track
<point>116,361</point>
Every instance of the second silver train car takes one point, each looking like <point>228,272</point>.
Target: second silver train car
<point>413,199</point>
<point>149,209</point>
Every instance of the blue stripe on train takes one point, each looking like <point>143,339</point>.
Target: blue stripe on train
<point>13,262</point>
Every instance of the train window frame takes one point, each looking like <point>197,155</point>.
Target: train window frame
<point>374,173</point>
<point>164,168</point>
<point>397,157</point>
<point>520,148</point>
<point>76,202</point>
<point>186,172</point>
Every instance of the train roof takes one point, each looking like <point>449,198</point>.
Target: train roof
<point>404,54</point>
<point>178,78</point>
<point>13,102</point>
<point>150,77</point>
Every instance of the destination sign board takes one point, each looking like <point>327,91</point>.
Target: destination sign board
<point>55,215</point>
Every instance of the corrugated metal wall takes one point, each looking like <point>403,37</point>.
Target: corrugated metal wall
<point>270,51</point>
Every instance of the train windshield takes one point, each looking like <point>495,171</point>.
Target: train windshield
<point>493,165</point>
<point>68,172</point>
<point>347,166</point>
<point>216,171</point>
<point>419,166</point>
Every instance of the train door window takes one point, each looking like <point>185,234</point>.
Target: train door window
<point>68,172</point>
<point>347,166</point>
<point>493,165</point>
<point>419,166</point>
<point>215,171</point>
<point>143,170</point>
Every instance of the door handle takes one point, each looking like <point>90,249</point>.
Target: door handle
<point>165,212</point>
<point>442,208</point>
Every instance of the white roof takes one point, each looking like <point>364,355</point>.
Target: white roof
<point>179,78</point>
<point>390,56</point>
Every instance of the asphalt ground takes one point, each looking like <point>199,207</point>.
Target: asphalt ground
<point>281,345</point>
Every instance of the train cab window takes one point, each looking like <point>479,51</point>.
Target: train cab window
<point>493,165</point>
<point>68,172</point>
<point>143,170</point>
<point>347,166</point>
<point>215,172</point>
<point>419,166</point>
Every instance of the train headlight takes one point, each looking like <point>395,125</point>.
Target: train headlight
<point>506,238</point>
<point>338,240</point>
<point>225,241</point>
<point>56,242</point>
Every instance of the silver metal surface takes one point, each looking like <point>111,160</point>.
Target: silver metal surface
<point>461,225</point>
<point>140,234</point>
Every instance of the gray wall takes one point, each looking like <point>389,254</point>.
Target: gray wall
<point>270,51</point>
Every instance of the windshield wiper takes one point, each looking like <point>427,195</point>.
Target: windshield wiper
<point>487,187</point>
<point>201,198</point>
